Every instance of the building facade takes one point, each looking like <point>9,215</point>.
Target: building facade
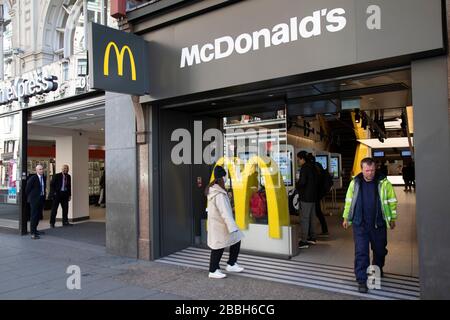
<point>45,77</point>
<point>204,67</point>
<point>306,59</point>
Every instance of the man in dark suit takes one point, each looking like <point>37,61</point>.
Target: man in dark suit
<point>35,192</point>
<point>61,193</point>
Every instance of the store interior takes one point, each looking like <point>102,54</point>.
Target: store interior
<point>340,122</point>
<point>76,138</point>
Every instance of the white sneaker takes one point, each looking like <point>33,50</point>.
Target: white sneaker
<point>235,268</point>
<point>217,274</point>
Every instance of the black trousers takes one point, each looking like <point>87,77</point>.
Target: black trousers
<point>63,199</point>
<point>36,214</point>
<point>321,217</point>
<point>216,255</point>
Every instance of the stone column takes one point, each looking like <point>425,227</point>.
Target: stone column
<point>74,151</point>
<point>142,144</point>
<point>121,176</point>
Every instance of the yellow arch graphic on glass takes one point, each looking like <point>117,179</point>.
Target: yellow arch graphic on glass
<point>362,151</point>
<point>244,180</point>
<point>119,56</point>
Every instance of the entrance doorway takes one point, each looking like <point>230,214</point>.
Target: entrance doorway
<point>72,135</point>
<point>338,121</point>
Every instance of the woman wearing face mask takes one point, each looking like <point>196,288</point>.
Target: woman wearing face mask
<point>222,229</point>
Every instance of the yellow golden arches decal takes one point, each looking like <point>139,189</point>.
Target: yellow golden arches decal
<point>244,180</point>
<point>119,56</point>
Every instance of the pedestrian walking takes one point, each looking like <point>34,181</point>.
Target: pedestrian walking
<point>35,191</point>
<point>371,208</point>
<point>307,190</point>
<point>61,193</point>
<point>222,229</point>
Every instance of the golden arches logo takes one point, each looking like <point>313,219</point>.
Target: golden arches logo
<point>244,178</point>
<point>120,55</point>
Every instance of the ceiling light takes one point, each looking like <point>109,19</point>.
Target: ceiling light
<point>101,129</point>
<point>393,124</point>
<point>90,114</point>
<point>73,118</point>
<point>271,95</point>
<point>388,143</point>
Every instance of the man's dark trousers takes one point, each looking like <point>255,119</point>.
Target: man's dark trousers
<point>62,198</point>
<point>36,214</point>
<point>377,238</point>
<point>321,217</point>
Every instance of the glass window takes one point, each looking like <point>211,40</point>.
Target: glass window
<point>9,166</point>
<point>65,70</point>
<point>82,67</point>
<point>7,41</point>
<point>264,137</point>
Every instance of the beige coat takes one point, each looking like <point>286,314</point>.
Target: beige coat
<point>222,229</point>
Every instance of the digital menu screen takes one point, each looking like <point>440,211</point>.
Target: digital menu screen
<point>334,167</point>
<point>284,161</point>
<point>323,160</point>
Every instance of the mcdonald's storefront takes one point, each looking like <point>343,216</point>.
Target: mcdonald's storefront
<point>289,70</point>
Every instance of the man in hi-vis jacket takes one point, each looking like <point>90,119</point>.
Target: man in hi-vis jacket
<point>371,208</point>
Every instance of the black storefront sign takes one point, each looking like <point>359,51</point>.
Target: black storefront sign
<point>254,41</point>
<point>118,61</point>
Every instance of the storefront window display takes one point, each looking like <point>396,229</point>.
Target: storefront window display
<point>250,139</point>
<point>9,165</point>
<point>261,172</point>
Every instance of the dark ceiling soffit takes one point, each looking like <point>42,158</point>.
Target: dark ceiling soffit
<point>326,97</point>
<point>380,66</point>
<point>262,104</point>
<point>353,93</point>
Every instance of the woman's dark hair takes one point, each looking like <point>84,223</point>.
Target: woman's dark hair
<point>219,173</point>
<point>302,155</point>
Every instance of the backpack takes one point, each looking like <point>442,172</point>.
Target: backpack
<point>327,182</point>
<point>294,202</point>
<point>258,204</point>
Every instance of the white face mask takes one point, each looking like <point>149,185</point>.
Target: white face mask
<point>224,180</point>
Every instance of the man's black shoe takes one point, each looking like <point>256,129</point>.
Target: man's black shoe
<point>362,287</point>
<point>67,224</point>
<point>40,232</point>
<point>35,236</point>
<point>52,225</point>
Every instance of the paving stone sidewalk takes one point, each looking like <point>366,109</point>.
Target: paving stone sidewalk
<point>36,269</point>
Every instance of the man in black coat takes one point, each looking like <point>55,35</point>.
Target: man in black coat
<point>35,191</point>
<point>61,193</point>
<point>324,185</point>
<point>307,190</point>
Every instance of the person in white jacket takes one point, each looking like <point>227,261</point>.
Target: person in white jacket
<point>222,229</point>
